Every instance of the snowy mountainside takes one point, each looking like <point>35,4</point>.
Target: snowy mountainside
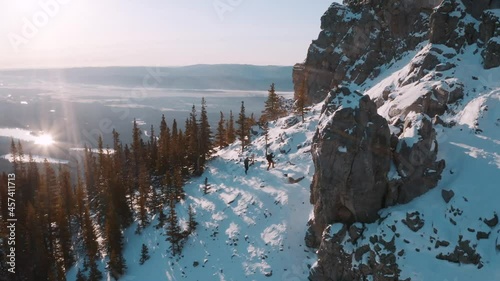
<point>431,238</point>
<point>251,227</point>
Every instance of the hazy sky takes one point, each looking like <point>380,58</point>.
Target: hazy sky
<point>62,33</point>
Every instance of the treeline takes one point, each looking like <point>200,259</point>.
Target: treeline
<point>61,219</point>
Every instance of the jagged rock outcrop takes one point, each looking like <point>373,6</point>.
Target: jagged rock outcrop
<point>415,161</point>
<point>361,35</point>
<point>352,156</point>
<point>450,25</point>
<point>353,151</point>
<point>376,260</point>
<point>370,33</point>
<point>369,155</point>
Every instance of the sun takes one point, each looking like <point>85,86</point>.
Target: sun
<point>45,140</point>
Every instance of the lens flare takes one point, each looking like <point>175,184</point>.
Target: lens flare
<point>45,140</point>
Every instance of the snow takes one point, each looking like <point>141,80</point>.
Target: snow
<point>250,225</point>
<point>36,159</point>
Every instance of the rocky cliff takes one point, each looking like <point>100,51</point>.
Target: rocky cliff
<point>376,144</point>
<point>357,38</point>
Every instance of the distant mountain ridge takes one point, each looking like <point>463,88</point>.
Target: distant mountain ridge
<point>218,76</point>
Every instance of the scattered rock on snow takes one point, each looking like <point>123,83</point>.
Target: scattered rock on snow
<point>447,195</point>
<point>441,243</point>
<point>482,235</point>
<point>413,221</point>
<point>492,222</point>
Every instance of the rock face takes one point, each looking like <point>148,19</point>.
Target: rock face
<point>449,27</point>
<point>365,161</point>
<point>352,157</point>
<point>415,161</point>
<point>361,35</point>
<point>376,260</point>
<point>352,153</point>
<point>369,31</point>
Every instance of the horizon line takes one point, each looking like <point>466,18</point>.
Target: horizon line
<point>141,66</point>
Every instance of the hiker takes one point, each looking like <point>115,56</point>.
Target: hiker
<point>247,162</point>
<point>270,161</point>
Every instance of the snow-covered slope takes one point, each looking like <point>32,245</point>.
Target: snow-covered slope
<point>251,227</point>
<point>455,240</point>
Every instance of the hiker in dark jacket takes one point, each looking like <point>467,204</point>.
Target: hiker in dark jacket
<point>247,162</point>
<point>270,160</point>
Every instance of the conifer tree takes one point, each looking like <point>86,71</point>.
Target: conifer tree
<point>80,276</point>
<point>152,151</point>
<point>164,148</point>
<point>194,143</point>
<point>161,219</point>
<point>205,136</point>
<point>136,154</point>
<point>273,108</point>
<point>119,183</point>
<point>230,131</point>
<point>221,136</point>
<point>191,221</point>
<point>114,239</point>
<point>178,185</point>
<point>242,130</point>
<point>174,235</point>
<point>91,245</point>
<point>300,105</point>
<point>144,254</point>
<point>144,191</point>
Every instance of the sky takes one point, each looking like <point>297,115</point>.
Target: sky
<point>74,33</point>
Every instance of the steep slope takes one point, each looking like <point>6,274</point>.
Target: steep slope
<point>459,237</point>
<point>440,102</point>
<point>432,100</point>
<point>251,227</point>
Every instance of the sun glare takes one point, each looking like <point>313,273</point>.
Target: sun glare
<point>44,140</point>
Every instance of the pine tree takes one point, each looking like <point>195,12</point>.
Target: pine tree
<point>194,143</point>
<point>230,131</point>
<point>206,186</point>
<point>174,234</point>
<point>178,185</point>
<point>161,219</point>
<point>119,183</point>
<point>80,276</point>
<point>144,254</point>
<point>152,151</point>
<point>300,105</point>
<point>273,106</point>
<point>243,129</point>
<point>95,274</point>
<point>144,192</point>
<point>91,245</point>
<point>221,136</point>
<point>164,149</point>
<point>136,154</point>
<point>117,264</point>
<point>192,220</point>
<point>205,136</point>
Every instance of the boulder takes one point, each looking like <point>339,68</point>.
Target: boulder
<point>415,160</point>
<point>492,222</point>
<point>351,156</point>
<point>447,195</point>
<point>480,235</point>
<point>491,53</point>
<point>414,221</point>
